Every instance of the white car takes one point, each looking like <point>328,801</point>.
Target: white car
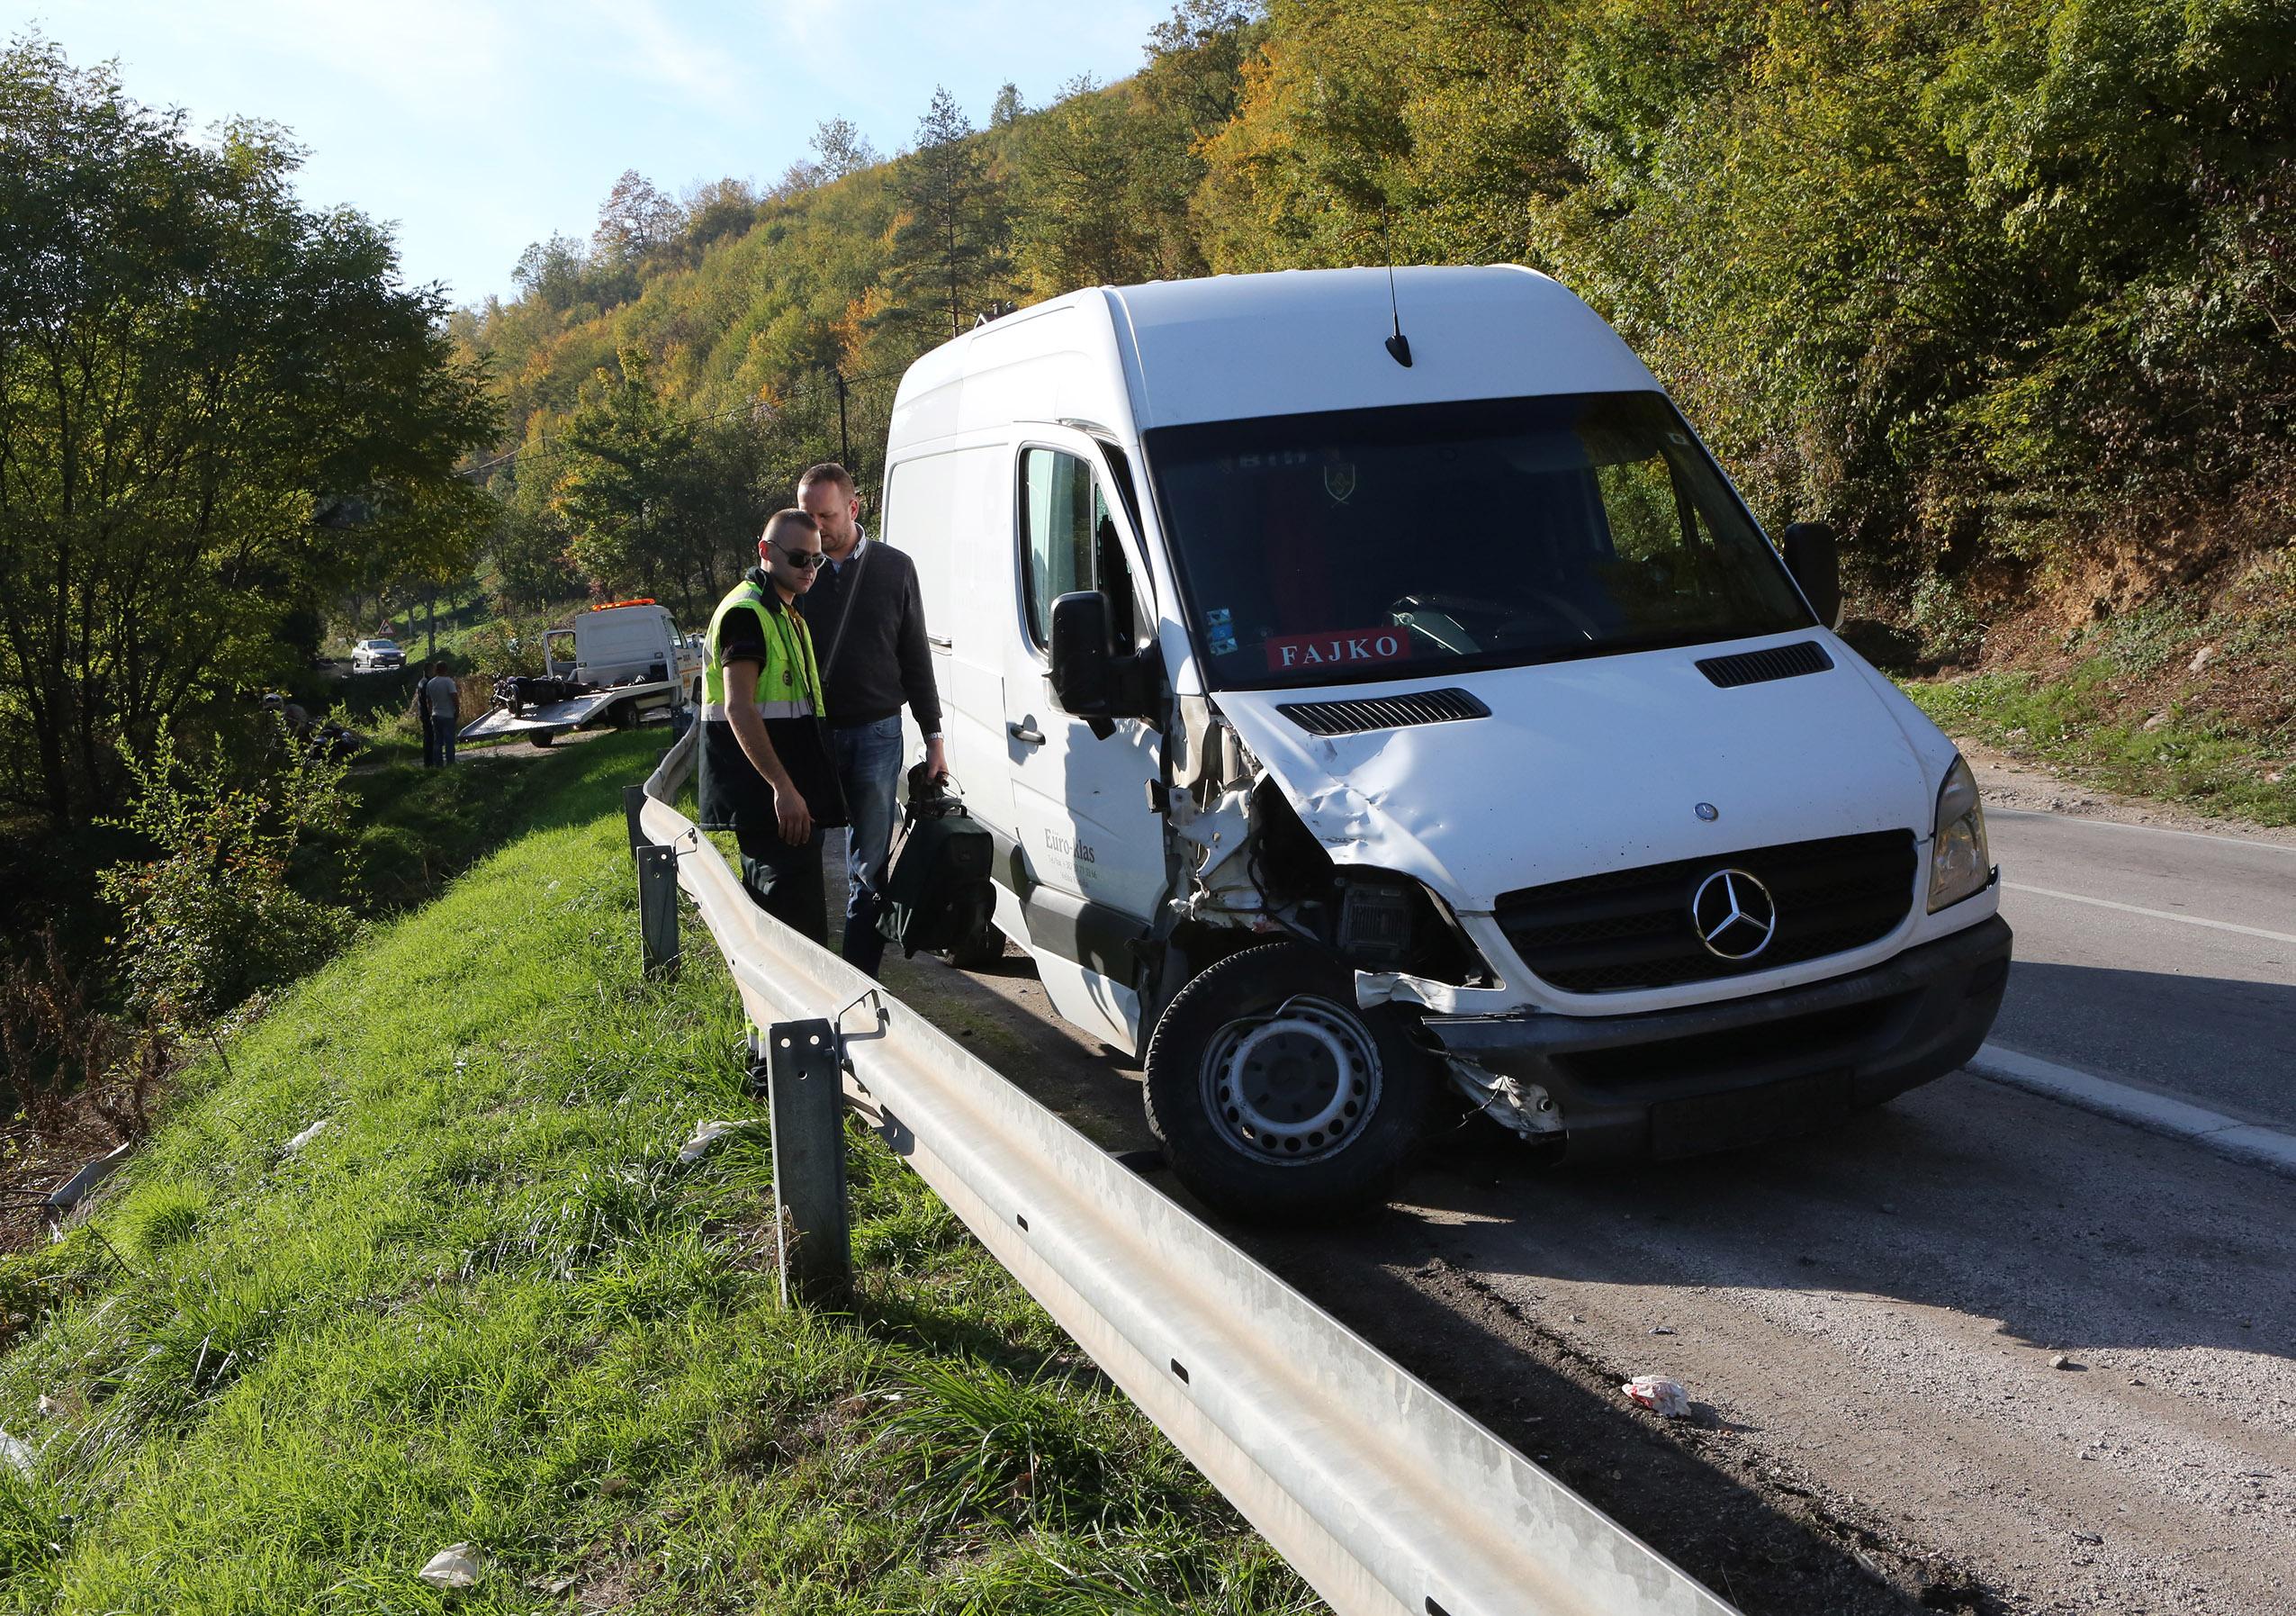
<point>370,656</point>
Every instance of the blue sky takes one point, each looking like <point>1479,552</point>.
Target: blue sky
<point>478,126</point>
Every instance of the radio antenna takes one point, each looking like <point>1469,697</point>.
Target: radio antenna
<point>1399,345</point>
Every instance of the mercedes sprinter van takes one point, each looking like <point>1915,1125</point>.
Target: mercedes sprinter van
<point>1375,687</point>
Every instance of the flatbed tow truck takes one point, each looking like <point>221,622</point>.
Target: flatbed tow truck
<point>619,664</point>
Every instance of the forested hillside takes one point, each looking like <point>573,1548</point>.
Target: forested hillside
<point>2006,289</point>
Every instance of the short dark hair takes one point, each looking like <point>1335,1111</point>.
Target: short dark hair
<point>791,518</point>
<point>828,470</point>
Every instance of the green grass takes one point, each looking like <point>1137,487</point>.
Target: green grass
<point>2076,724</point>
<point>416,828</point>
<point>485,1305</point>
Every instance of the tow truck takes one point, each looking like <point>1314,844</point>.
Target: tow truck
<point>619,664</point>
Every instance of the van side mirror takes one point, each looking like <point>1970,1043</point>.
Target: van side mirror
<point>1816,562</point>
<point>1092,680</point>
<point>1083,679</point>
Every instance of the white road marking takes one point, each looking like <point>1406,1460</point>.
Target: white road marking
<point>2268,1148</point>
<point>2131,908</point>
<point>2156,830</point>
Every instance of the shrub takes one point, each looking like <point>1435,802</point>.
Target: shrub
<point>212,918</point>
<point>1950,629</point>
<point>511,644</point>
<point>57,1042</point>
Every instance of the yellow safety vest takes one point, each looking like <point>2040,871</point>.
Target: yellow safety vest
<point>788,686</point>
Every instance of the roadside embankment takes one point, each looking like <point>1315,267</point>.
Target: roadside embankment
<point>2190,699</point>
<point>420,1266</point>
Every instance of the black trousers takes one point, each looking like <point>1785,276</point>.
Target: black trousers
<point>785,881</point>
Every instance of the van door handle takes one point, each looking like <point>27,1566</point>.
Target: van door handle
<point>1025,732</point>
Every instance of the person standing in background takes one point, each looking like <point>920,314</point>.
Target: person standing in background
<point>867,614</point>
<point>440,698</point>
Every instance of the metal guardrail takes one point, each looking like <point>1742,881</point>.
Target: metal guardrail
<point>1386,1498</point>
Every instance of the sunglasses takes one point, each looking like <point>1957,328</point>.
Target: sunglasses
<point>804,561</point>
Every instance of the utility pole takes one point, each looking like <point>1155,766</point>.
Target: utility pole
<point>844,449</point>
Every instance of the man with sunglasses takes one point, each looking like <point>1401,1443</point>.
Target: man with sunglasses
<point>868,616</point>
<point>765,770</point>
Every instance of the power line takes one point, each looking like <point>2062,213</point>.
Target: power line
<point>536,450</point>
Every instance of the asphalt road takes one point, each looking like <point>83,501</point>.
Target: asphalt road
<point>1979,1350</point>
<point>2158,958</point>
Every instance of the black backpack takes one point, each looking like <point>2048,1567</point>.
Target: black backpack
<point>938,892</point>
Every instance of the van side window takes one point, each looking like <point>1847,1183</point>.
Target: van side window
<point>1067,540</point>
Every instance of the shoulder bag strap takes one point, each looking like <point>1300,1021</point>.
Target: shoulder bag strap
<point>853,592</point>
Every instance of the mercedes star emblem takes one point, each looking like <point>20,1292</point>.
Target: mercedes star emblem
<point>1707,812</point>
<point>1733,915</point>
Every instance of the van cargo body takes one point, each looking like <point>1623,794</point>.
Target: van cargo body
<point>1370,693</point>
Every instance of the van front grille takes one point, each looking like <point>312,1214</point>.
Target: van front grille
<point>1383,712</point>
<point>1632,929</point>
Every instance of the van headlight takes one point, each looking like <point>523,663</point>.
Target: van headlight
<point>1390,922</point>
<point>1960,864</point>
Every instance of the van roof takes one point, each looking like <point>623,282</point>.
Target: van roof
<point>1232,346</point>
<point>1301,340</point>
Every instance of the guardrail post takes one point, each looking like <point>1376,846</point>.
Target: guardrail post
<point>806,1099</point>
<point>634,805</point>
<point>658,909</point>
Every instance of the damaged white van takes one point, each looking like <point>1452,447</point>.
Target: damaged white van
<point>1373,686</point>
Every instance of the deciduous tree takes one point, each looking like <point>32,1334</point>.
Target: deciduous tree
<point>1084,224</point>
<point>215,406</point>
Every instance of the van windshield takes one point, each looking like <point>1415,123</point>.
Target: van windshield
<point>1389,544</point>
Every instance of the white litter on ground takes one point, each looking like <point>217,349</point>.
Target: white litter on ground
<point>705,1136</point>
<point>456,1565</point>
<point>306,1136</point>
<point>1660,1395</point>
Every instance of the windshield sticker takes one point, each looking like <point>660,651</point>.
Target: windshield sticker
<point>1339,646</point>
<point>1220,631</point>
<point>1339,481</point>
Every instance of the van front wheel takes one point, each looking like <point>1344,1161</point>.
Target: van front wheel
<point>1274,1096</point>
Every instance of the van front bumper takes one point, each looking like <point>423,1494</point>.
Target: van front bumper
<point>1680,1082</point>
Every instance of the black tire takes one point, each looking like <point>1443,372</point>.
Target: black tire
<point>1346,1094</point>
<point>542,737</point>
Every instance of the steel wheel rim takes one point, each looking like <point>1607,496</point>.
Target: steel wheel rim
<point>1292,1086</point>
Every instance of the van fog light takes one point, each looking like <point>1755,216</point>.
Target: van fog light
<point>1959,864</point>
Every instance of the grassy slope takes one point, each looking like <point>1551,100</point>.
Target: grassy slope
<point>2071,724</point>
<point>486,1304</point>
<point>2120,702</point>
<point>416,828</point>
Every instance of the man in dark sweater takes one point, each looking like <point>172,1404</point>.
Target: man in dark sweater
<point>867,617</point>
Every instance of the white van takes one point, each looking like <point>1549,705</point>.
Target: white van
<point>1371,685</point>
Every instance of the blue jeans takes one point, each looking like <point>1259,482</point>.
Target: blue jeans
<point>868,759</point>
